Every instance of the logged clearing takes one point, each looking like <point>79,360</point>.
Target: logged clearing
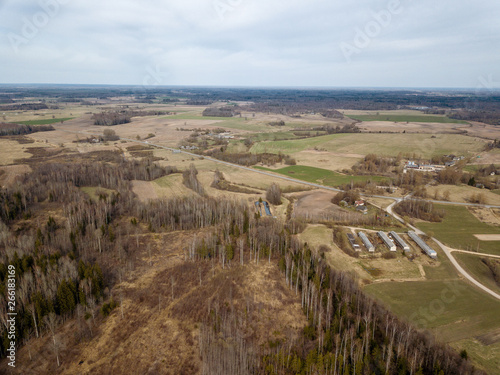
<point>144,190</point>
<point>9,173</point>
<point>156,328</point>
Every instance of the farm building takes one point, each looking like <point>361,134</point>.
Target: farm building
<point>352,240</point>
<point>267,208</point>
<point>388,242</point>
<point>421,243</point>
<point>369,246</point>
<point>397,238</point>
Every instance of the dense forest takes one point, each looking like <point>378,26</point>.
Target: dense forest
<point>20,129</point>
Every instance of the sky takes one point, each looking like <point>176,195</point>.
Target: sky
<point>265,43</point>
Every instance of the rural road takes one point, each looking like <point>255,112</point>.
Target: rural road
<point>448,251</point>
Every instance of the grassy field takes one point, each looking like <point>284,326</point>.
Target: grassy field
<point>92,192</point>
<point>462,193</point>
<point>479,270</point>
<point>48,121</point>
<point>452,318</point>
<point>321,176</point>
<point>453,311</point>
<point>424,145</point>
<point>458,228</point>
<point>407,118</point>
<point>486,357</point>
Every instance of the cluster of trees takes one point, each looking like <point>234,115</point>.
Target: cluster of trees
<point>24,107</point>
<point>20,129</point>
<point>373,164</point>
<point>349,196</point>
<point>273,194</point>
<point>230,111</point>
<point>122,117</point>
<point>190,180</point>
<point>419,209</point>
<point>111,118</point>
<point>247,158</point>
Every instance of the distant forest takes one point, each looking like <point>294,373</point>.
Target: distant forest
<point>464,104</point>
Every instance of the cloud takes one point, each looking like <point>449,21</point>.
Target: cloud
<point>249,42</point>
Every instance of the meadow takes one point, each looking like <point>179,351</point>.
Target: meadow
<point>480,271</point>
<point>48,121</point>
<point>457,318</point>
<point>424,145</point>
<point>407,118</point>
<point>321,176</point>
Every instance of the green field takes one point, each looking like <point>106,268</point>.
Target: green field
<point>92,191</point>
<point>454,311</point>
<point>321,176</point>
<point>407,118</point>
<point>479,270</point>
<point>425,145</point>
<point>458,228</point>
<point>45,121</point>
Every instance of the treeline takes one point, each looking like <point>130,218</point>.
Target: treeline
<point>248,159</point>
<point>491,116</point>
<point>420,209</point>
<point>20,129</point>
<point>122,117</point>
<point>24,107</point>
<point>221,112</point>
<point>190,180</point>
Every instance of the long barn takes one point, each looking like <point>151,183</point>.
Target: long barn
<point>388,242</point>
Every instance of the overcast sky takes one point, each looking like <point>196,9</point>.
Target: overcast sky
<point>331,43</point>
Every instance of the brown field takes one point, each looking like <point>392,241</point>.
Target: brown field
<point>462,193</point>
<point>315,204</point>
<point>486,215</point>
<point>144,190</point>
<point>327,160</point>
<point>10,173</point>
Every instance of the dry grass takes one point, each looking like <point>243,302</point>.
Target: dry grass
<point>158,333</point>
<point>486,215</point>
<point>462,193</point>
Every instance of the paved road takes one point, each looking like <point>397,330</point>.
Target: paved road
<point>389,209</point>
